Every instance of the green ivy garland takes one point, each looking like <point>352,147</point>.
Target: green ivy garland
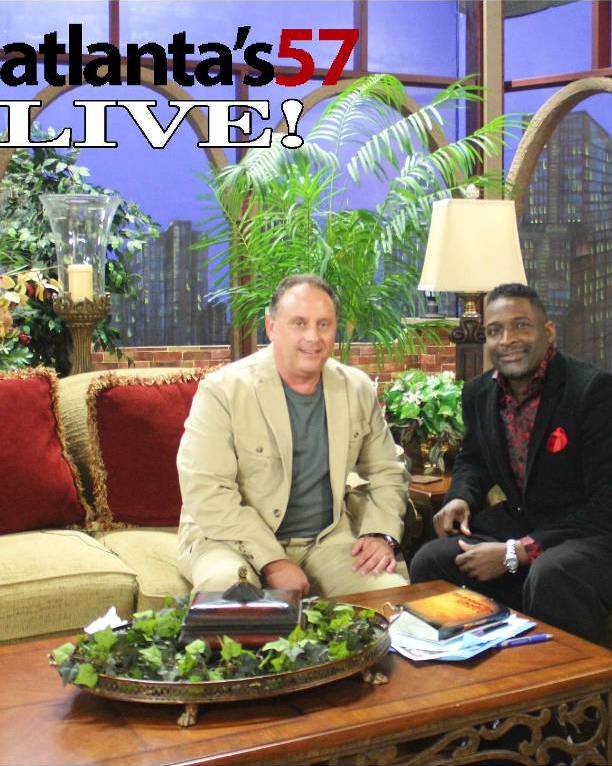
<point>148,648</point>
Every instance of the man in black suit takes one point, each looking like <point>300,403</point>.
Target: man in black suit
<point>538,428</point>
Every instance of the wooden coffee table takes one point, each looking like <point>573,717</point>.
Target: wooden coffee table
<point>432,713</point>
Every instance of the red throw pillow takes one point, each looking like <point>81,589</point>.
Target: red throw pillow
<point>135,427</point>
<point>39,486</point>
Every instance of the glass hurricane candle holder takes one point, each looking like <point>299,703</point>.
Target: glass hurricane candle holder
<point>80,224</point>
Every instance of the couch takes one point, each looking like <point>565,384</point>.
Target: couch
<point>55,580</point>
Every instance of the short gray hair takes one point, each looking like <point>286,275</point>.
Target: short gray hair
<point>313,280</point>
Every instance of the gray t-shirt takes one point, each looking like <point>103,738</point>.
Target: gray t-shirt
<point>310,506</point>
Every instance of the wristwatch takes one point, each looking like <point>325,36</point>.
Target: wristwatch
<point>387,538</point>
<point>511,561</point>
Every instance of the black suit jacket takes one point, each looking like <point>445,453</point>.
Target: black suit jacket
<point>568,494</point>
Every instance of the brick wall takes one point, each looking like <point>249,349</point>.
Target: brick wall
<point>162,356</point>
<point>433,359</point>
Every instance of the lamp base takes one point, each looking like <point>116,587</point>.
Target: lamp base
<point>469,337</point>
<point>81,317</point>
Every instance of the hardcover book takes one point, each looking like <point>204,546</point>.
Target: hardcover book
<point>436,618</point>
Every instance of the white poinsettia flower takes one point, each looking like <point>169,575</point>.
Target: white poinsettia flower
<point>24,277</point>
<point>12,297</point>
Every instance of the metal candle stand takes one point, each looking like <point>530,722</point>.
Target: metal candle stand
<point>81,318</point>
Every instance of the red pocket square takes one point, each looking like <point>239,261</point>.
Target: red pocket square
<point>557,441</point>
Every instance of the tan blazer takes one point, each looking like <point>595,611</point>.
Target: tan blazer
<point>235,458</point>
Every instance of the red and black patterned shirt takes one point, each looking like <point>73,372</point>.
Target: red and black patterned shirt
<point>518,419</point>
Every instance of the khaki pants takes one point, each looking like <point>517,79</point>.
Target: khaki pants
<point>327,563</point>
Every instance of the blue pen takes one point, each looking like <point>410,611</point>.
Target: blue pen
<point>537,638</point>
<point>489,628</point>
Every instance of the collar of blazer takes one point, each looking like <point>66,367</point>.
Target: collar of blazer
<point>271,397</point>
<point>551,391</point>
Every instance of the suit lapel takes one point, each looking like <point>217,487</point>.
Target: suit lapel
<point>271,398</point>
<point>337,413</point>
<point>548,403</point>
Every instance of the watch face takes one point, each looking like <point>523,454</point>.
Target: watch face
<point>511,559</point>
<point>511,563</point>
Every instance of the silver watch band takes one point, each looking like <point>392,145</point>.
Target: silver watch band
<point>511,561</point>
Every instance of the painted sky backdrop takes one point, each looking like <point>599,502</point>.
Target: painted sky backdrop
<point>417,36</point>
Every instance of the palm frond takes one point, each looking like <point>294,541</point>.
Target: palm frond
<point>405,134</point>
<point>262,166</point>
<point>280,212</point>
<point>362,108</point>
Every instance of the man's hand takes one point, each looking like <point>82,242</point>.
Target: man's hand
<point>285,575</point>
<point>374,555</point>
<point>481,561</point>
<point>452,518</point>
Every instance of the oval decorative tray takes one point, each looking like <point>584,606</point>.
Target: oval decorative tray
<point>193,694</point>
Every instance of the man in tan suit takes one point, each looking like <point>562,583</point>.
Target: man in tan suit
<point>265,460</point>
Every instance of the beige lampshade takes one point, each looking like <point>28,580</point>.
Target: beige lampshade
<point>473,246</point>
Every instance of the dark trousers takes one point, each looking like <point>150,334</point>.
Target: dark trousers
<point>569,585</point>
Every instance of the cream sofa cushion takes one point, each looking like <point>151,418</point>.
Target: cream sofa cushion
<point>152,553</point>
<point>59,580</point>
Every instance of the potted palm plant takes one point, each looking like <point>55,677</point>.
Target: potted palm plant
<point>279,212</point>
<point>424,413</point>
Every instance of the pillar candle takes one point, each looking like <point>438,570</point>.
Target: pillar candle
<point>80,281</point>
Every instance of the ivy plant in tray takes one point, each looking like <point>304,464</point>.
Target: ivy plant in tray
<point>148,648</point>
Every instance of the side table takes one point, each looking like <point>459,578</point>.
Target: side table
<point>427,496</point>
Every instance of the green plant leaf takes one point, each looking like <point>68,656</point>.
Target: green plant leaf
<point>230,649</point>
<point>152,656</point>
<point>105,638</point>
<point>196,647</point>
<point>338,650</point>
<point>63,653</point>
<point>86,676</point>
<point>313,616</point>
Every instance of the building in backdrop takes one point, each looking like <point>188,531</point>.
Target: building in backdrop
<point>566,235</point>
<point>171,308</point>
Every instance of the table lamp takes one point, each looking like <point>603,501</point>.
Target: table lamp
<point>80,224</point>
<point>473,246</point>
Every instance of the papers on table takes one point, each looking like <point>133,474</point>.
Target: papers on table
<point>109,620</point>
<point>461,647</point>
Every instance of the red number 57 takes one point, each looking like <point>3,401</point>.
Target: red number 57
<point>348,37</point>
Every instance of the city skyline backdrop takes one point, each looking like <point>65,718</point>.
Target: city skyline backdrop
<point>566,239</point>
